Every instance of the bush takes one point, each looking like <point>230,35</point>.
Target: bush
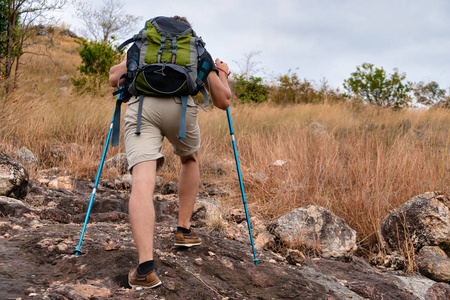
<point>293,90</point>
<point>250,89</point>
<point>96,60</point>
<point>374,86</point>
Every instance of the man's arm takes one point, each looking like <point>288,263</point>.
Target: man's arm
<point>116,71</point>
<point>218,86</point>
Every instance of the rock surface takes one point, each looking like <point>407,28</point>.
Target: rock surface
<point>317,229</point>
<point>424,221</point>
<point>13,178</point>
<point>119,162</point>
<point>39,233</point>
<point>434,263</point>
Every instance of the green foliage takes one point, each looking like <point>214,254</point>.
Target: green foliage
<point>96,60</point>
<point>3,21</point>
<point>374,86</point>
<point>429,93</point>
<point>250,89</point>
<point>291,89</point>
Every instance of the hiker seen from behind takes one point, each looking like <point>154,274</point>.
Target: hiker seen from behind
<point>165,66</point>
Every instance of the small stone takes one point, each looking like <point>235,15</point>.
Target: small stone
<point>63,247</point>
<point>295,257</point>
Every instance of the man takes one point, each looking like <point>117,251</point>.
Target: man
<point>160,118</point>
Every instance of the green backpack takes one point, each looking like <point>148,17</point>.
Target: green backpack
<point>166,59</point>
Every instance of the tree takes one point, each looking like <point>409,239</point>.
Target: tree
<point>247,65</point>
<point>101,23</point>
<point>374,86</point>
<point>97,58</point>
<point>429,93</point>
<point>17,21</point>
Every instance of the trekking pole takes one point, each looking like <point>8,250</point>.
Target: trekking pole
<point>255,260</point>
<point>99,172</point>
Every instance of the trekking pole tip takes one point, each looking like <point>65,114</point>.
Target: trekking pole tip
<point>77,252</point>
<point>256,261</point>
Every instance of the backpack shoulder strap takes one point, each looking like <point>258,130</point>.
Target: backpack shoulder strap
<point>130,40</point>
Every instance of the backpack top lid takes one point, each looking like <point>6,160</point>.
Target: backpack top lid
<point>169,25</point>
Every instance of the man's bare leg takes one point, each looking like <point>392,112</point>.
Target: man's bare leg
<point>187,188</point>
<point>141,210</point>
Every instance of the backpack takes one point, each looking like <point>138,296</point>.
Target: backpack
<point>166,59</point>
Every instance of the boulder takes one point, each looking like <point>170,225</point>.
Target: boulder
<point>119,162</point>
<point>438,291</point>
<point>25,155</point>
<point>434,263</point>
<point>13,207</point>
<point>424,221</point>
<point>13,178</point>
<point>123,182</point>
<point>63,182</point>
<point>316,229</point>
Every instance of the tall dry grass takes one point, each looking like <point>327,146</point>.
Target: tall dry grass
<point>358,161</point>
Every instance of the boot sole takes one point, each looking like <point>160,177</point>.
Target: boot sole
<point>135,286</point>
<point>187,245</point>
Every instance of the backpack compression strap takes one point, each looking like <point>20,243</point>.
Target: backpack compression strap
<point>182,131</point>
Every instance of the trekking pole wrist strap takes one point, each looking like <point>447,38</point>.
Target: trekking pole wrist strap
<point>228,74</point>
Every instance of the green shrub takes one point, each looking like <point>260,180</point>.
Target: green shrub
<point>96,60</point>
<point>250,89</point>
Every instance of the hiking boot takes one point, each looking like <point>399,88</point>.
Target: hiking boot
<point>187,239</point>
<point>148,281</point>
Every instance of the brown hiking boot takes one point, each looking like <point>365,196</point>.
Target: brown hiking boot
<point>187,239</point>
<point>147,281</point>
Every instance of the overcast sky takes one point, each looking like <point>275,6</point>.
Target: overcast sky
<point>318,38</point>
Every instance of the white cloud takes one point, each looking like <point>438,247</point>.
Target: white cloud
<point>322,38</point>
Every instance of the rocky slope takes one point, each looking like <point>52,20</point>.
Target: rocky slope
<point>39,233</point>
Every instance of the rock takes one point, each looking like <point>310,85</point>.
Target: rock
<point>438,291</point>
<point>64,182</point>
<point>170,188</point>
<point>79,291</point>
<point>208,212</point>
<point>123,182</point>
<point>264,240</point>
<point>295,257</point>
<point>25,155</point>
<point>159,181</point>
<point>316,129</point>
<point>13,207</point>
<point>58,152</point>
<point>13,178</point>
<point>261,178</point>
<point>417,284</point>
<point>67,32</point>
<point>317,229</point>
<point>434,263</point>
<point>278,163</point>
<point>55,214</point>
<point>118,162</point>
<point>394,261</point>
<point>63,78</point>
<point>424,220</point>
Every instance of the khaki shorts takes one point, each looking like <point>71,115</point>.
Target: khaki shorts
<point>160,118</point>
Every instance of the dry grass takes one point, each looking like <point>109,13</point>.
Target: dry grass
<point>357,161</point>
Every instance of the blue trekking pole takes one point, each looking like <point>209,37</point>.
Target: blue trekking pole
<point>99,172</point>
<point>241,184</point>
